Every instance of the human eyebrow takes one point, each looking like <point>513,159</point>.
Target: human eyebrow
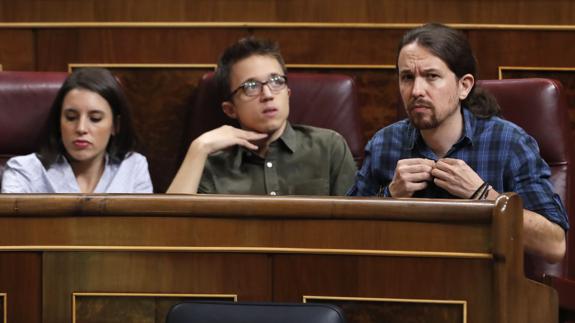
<point>405,73</point>
<point>250,80</point>
<point>432,71</point>
<point>69,110</point>
<point>96,112</point>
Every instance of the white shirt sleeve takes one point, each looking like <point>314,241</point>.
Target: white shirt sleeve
<point>143,182</point>
<point>20,173</point>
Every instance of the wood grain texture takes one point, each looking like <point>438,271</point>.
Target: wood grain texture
<point>390,11</point>
<point>130,308</point>
<point>17,51</point>
<point>156,273</point>
<point>21,280</point>
<point>285,254</point>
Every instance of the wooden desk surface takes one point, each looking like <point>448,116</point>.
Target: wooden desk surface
<point>81,258</point>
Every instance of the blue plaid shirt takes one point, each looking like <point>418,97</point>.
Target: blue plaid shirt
<point>502,153</point>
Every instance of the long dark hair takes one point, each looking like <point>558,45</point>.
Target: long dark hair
<point>452,47</point>
<point>102,82</point>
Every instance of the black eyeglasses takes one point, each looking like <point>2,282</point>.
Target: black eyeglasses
<point>275,83</point>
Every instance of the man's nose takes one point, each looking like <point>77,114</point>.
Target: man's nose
<point>418,87</point>
<point>266,92</point>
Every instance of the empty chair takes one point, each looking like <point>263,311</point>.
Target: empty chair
<point>25,100</point>
<point>221,312</point>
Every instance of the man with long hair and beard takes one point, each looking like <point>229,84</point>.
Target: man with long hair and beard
<point>454,145</point>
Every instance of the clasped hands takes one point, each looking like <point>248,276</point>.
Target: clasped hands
<point>453,175</point>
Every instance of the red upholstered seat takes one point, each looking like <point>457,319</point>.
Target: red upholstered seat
<point>539,106</point>
<point>321,100</point>
<point>25,100</point>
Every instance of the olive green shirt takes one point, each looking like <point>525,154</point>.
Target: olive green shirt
<point>303,161</point>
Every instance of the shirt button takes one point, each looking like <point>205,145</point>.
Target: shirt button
<point>269,164</point>
<point>272,193</point>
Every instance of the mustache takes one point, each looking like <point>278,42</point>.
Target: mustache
<point>420,103</point>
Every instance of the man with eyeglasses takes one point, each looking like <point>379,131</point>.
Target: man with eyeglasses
<point>268,155</point>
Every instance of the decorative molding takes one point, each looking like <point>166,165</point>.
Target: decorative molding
<point>272,25</point>
<point>356,252</point>
<point>71,66</point>
<point>233,297</point>
<point>4,297</point>
<point>463,303</point>
<point>501,69</point>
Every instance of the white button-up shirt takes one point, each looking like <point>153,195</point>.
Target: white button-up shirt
<point>26,174</point>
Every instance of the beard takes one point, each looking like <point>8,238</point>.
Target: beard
<point>428,119</point>
<point>424,122</point>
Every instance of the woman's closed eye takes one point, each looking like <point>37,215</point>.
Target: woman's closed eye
<point>96,117</point>
<point>70,116</point>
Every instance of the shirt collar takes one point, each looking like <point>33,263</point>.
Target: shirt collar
<point>468,129</point>
<point>288,139</point>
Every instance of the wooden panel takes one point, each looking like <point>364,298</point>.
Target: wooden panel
<point>21,280</point>
<point>431,226</point>
<point>59,47</point>
<point>170,273</point>
<point>3,305</point>
<point>391,11</point>
<point>277,249</point>
<point>398,310</point>
<point>131,308</point>
<point>17,51</point>
<point>380,277</point>
<point>494,48</point>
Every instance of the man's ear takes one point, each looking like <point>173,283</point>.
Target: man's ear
<point>229,109</point>
<point>465,85</point>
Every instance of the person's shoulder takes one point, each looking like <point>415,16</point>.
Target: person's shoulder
<point>393,132</point>
<point>132,160</point>
<point>502,125</point>
<point>135,157</point>
<point>23,174</point>
<point>29,162</point>
<point>316,132</point>
<point>322,136</point>
<point>510,136</point>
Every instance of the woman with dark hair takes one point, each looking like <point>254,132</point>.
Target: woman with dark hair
<point>88,146</point>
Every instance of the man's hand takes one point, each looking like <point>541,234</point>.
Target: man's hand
<point>226,136</point>
<point>188,177</point>
<point>411,175</point>
<point>456,177</point>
